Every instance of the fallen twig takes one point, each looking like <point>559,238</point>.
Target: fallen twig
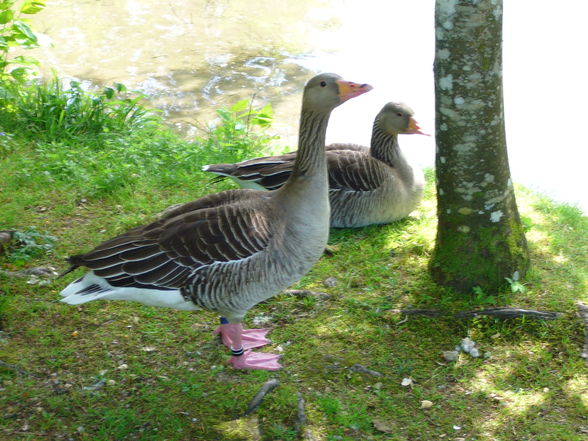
<point>363,370</point>
<point>504,313</point>
<point>304,433</point>
<point>508,312</point>
<point>267,387</point>
<point>583,314</point>
<point>300,420</point>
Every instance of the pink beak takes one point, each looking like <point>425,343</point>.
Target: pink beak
<point>348,89</point>
<point>413,128</point>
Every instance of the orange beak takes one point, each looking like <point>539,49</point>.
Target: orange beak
<point>348,89</point>
<point>413,128</point>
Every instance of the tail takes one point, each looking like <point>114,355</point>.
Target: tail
<point>75,262</point>
<point>223,171</point>
<point>93,287</point>
<point>87,288</point>
<point>69,270</point>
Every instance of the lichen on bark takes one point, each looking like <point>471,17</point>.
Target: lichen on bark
<point>480,240</point>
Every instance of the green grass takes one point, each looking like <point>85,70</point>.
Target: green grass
<point>164,375</point>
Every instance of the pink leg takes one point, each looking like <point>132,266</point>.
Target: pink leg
<point>251,338</point>
<point>248,359</point>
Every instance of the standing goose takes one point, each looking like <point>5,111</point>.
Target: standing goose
<point>228,251</point>
<point>373,185</point>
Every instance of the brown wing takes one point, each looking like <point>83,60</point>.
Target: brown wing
<point>352,169</point>
<point>164,254</point>
<point>210,201</point>
<point>270,172</point>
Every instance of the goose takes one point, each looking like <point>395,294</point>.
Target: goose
<point>375,185</point>
<point>228,251</point>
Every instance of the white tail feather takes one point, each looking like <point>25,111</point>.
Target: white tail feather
<point>76,293</point>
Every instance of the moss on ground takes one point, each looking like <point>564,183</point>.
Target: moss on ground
<point>106,371</point>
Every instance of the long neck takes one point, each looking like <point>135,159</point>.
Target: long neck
<point>309,179</point>
<point>310,159</point>
<point>385,147</point>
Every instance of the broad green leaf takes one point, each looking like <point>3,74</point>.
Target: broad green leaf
<point>262,120</point>
<point>120,87</point>
<point>6,4</point>
<point>240,106</point>
<point>19,73</point>
<point>6,16</point>
<point>108,92</point>
<point>267,110</point>
<point>32,7</point>
<point>22,59</point>
<point>3,43</point>
<point>25,30</point>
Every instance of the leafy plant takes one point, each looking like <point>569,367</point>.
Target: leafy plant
<point>6,146</point>
<point>241,132</point>
<point>515,285</point>
<point>482,298</point>
<point>15,31</point>
<point>101,144</point>
<point>59,113</point>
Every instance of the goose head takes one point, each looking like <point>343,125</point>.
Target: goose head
<point>326,91</point>
<point>397,118</point>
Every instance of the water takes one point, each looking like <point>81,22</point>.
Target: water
<point>193,56</point>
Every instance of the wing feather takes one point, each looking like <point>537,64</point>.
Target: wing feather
<point>353,170</point>
<point>165,253</point>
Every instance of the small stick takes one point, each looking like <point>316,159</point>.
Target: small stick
<point>267,387</point>
<point>505,313</point>
<point>363,370</point>
<point>300,421</point>
<point>508,313</point>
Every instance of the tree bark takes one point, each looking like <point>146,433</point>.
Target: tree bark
<point>480,240</point>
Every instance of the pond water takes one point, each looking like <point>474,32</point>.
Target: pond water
<point>190,57</point>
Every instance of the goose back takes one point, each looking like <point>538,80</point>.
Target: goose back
<point>372,185</point>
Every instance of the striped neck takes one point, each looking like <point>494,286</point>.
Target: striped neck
<point>310,159</point>
<point>384,146</point>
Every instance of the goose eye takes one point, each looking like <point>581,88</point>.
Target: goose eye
<point>398,114</point>
<point>323,83</point>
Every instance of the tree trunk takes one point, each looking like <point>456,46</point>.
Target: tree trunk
<point>480,239</point>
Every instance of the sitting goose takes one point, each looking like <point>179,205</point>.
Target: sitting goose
<point>367,186</point>
<point>228,251</point>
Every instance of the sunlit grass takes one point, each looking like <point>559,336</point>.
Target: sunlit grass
<point>164,375</point>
